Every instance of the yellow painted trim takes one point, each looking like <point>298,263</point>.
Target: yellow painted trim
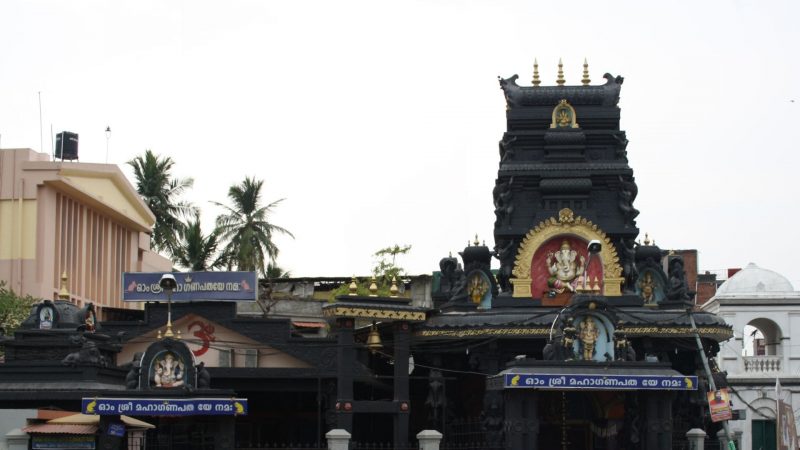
<point>11,228</point>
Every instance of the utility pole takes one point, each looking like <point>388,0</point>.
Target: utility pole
<point>731,444</point>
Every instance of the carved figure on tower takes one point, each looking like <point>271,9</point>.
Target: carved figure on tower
<point>588,337</point>
<point>647,286</point>
<point>565,270</point>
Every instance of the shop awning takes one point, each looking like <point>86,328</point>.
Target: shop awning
<point>61,428</point>
<point>592,377</point>
<point>308,324</point>
<point>89,419</point>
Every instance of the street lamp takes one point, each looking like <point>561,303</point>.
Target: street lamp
<point>168,284</point>
<point>108,137</point>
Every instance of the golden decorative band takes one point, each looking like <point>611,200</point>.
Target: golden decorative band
<point>371,313</point>
<point>708,332</point>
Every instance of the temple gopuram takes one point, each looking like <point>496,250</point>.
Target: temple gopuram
<point>585,338</point>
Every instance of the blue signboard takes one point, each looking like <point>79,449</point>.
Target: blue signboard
<point>116,429</point>
<point>165,406</point>
<point>600,382</point>
<point>228,286</point>
<point>62,441</point>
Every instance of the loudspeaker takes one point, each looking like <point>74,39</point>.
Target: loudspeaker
<point>67,146</point>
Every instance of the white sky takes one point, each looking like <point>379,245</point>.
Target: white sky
<point>379,121</point>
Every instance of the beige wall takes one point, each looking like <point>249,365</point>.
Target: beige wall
<point>83,219</point>
<point>224,339</point>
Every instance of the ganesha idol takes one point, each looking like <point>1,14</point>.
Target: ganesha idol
<point>565,268</point>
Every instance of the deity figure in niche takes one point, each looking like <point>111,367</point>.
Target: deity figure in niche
<point>588,336</point>
<point>46,318</point>
<point>648,288</point>
<point>565,270</point>
<point>168,371</point>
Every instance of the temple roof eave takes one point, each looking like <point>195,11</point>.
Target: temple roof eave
<point>529,323</point>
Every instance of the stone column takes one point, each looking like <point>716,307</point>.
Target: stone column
<point>658,420</point>
<point>429,439</point>
<point>697,439</point>
<point>521,419</point>
<point>338,439</point>
<point>17,439</point>
<point>724,438</point>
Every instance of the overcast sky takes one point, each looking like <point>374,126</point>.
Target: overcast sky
<point>379,121</point>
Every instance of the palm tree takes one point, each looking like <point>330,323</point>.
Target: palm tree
<point>246,228</point>
<point>197,252</point>
<point>160,191</point>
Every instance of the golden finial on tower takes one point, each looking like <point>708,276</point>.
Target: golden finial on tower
<point>63,292</point>
<point>476,242</point>
<point>158,335</point>
<point>536,81</point>
<point>373,287</point>
<point>585,80</point>
<point>394,290</point>
<point>646,239</point>
<point>353,286</point>
<point>560,79</point>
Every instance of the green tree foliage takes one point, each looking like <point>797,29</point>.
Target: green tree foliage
<point>386,267</point>
<point>274,271</point>
<point>160,191</point>
<point>246,228</point>
<point>196,251</point>
<point>13,309</point>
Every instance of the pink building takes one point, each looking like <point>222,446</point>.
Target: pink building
<point>85,220</point>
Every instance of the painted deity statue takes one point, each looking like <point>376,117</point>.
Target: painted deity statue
<point>168,371</point>
<point>589,334</point>
<point>565,268</point>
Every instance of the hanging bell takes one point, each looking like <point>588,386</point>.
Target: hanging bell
<point>374,340</point>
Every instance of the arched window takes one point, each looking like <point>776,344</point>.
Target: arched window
<point>762,337</point>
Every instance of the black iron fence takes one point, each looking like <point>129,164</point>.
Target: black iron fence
<point>286,446</point>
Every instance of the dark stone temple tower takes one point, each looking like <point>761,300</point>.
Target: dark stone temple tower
<point>563,148</point>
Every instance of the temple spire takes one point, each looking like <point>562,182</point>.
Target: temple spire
<point>536,81</point>
<point>560,79</point>
<point>585,80</point>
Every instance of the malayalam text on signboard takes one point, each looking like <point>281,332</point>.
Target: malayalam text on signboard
<point>601,382</point>
<point>228,286</point>
<point>164,407</point>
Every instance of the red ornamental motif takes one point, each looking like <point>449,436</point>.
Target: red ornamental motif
<point>205,332</point>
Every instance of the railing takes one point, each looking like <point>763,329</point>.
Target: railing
<point>762,365</point>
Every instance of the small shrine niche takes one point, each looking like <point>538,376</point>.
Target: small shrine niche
<point>480,289</point>
<point>46,316</point>
<point>554,261</point>
<point>167,364</point>
<point>594,338</point>
<point>650,287</point>
<point>564,116</point>
<point>89,317</point>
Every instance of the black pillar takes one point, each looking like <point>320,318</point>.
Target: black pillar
<point>521,419</point>
<point>346,359</point>
<point>402,343</point>
<point>658,417</point>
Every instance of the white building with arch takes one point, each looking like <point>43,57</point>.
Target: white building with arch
<point>764,310</point>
